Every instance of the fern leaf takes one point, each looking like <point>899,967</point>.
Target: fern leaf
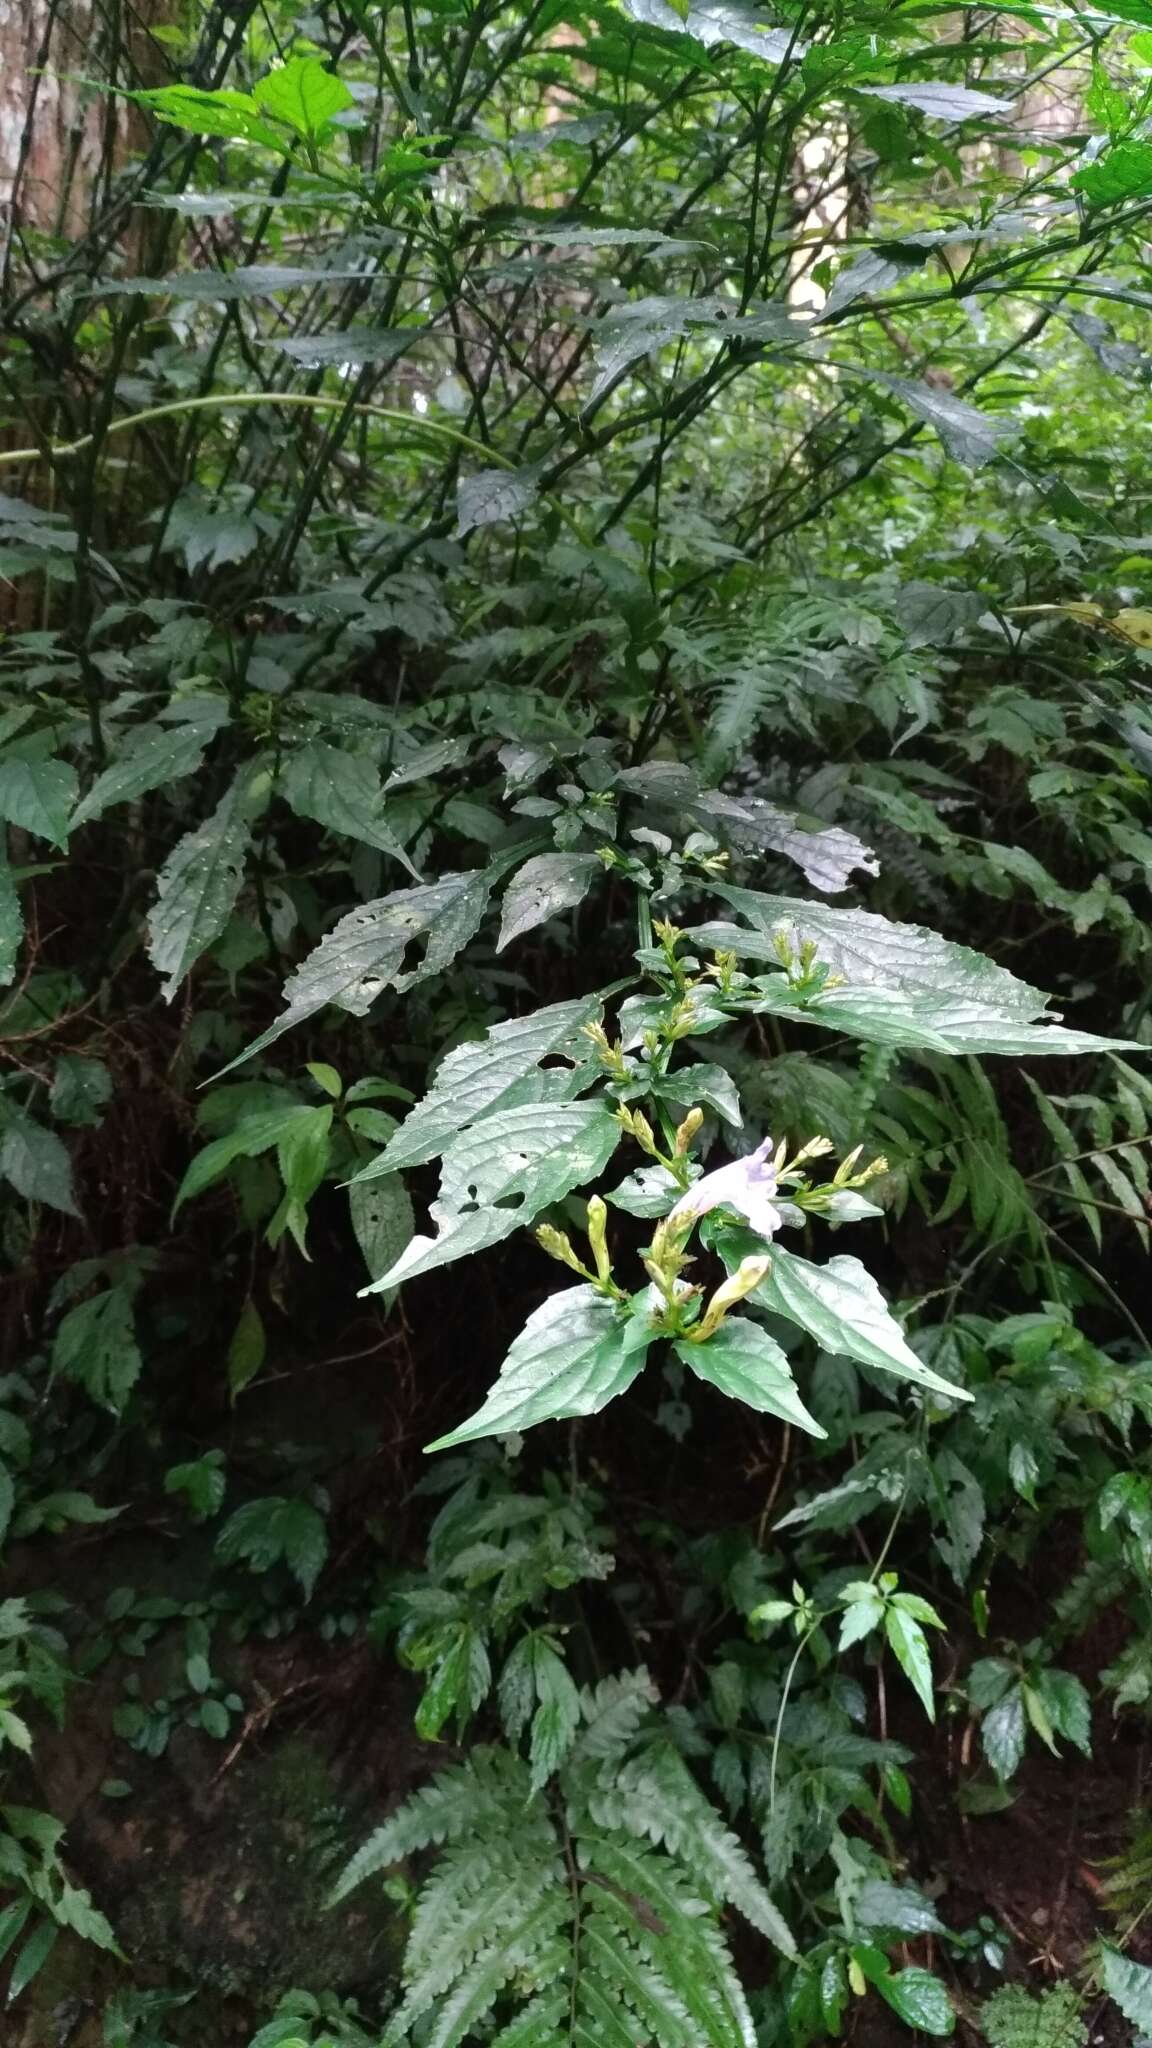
<point>612,1713</point>
<point>627,1975</point>
<point>539,2025</point>
<point>478,1989</point>
<point>655,1796</point>
<point>671,1924</point>
<point>484,1796</point>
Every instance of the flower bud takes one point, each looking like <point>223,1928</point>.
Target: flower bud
<point>748,1275</point>
<point>597,1236</point>
<point>558,1246</point>
<point>688,1130</point>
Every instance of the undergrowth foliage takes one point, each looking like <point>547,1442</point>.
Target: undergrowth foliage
<point>574,693</point>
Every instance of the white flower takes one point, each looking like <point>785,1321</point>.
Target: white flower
<point>746,1185</point>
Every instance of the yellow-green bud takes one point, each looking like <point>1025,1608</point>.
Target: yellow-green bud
<point>597,1236</point>
<point>688,1130</point>
<point>559,1246</point>
<point>748,1275</point>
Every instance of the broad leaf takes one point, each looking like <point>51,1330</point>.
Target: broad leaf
<point>365,953</point>
<point>500,1173</point>
<point>199,884</point>
<point>383,1222</point>
<point>474,1079</point>
<point>718,21</point>
<point>1129,1985</point>
<point>304,95</point>
<point>232,115</point>
<point>970,436</point>
<point>1002,1733</point>
<point>571,1358</point>
<point>159,755</point>
<point>96,1346</point>
<point>841,1306</point>
<point>543,887</point>
<point>1124,172</point>
<point>248,1138</point>
<point>35,1162</point>
<point>825,854</point>
<point>910,1647</point>
<point>38,795</point>
<point>920,1999</point>
<point>743,1361</point>
<point>273,1530</point>
<point>342,792</point>
<point>874,950</point>
<point>942,102</point>
<point>489,495</point>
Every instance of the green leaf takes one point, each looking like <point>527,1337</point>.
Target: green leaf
<point>201,1481</point>
<point>383,1222</point>
<point>303,94</point>
<point>841,1306</point>
<point>365,953</point>
<point>573,1356</point>
<point>1067,1705</point>
<point>342,792</point>
<point>1124,172</point>
<point>31,1959</point>
<point>545,886</point>
<point>474,1079</point>
<point>1002,1733</point>
<point>80,1089</point>
<point>1129,1985</point>
<point>214,1719</point>
<point>96,1346</point>
<point>744,1362</point>
<point>714,22</point>
<point>232,115</point>
<point>942,102</point>
<point>826,854</point>
<point>250,1136</point>
<point>199,883</point>
<point>11,925</point>
<point>274,1530</point>
<point>247,1350</point>
<point>156,755</point>
<point>38,795</point>
<point>36,1163</point>
<point>969,435</point>
<point>920,1999</point>
<point>529,1157</point>
<point>910,1647</point>
<point>489,495</point>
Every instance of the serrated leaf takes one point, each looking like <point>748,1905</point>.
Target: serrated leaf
<point>276,1530</point>
<point>158,755</point>
<point>969,435</point>
<point>542,888</point>
<point>11,924</point>
<point>231,115</point>
<point>199,883</point>
<point>303,94</point>
<point>910,1647</point>
<point>36,1163</point>
<point>489,495</point>
<point>842,1307</point>
<point>96,1346</point>
<point>826,854</point>
<point>477,1078</point>
<point>1129,1986</point>
<point>342,792</point>
<point>644,325</point>
<point>81,1088</point>
<point>529,1157</point>
<point>1124,172</point>
<point>714,22</point>
<point>744,1362</point>
<point>364,954</point>
<point>573,1356</point>
<point>249,1137</point>
<point>38,796</point>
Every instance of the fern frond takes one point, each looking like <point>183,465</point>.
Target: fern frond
<point>542,2023</point>
<point>474,1890</point>
<point>524,1948</point>
<point>485,1796</point>
<point>656,1797</point>
<point>612,1712</point>
<point>666,1918</point>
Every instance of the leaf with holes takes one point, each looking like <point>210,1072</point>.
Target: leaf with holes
<point>157,756</point>
<point>200,882</point>
<point>383,1222</point>
<point>542,888</point>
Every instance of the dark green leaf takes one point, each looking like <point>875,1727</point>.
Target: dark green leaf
<point>38,796</point>
<point>542,888</point>
<point>743,1361</point>
<point>573,1356</point>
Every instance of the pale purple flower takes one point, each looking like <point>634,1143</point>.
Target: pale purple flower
<point>746,1185</point>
